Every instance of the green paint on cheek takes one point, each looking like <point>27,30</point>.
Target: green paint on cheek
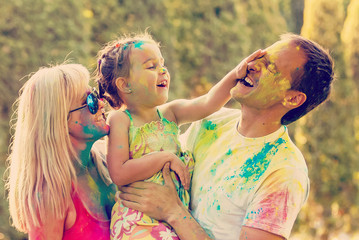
<point>76,122</point>
<point>119,147</point>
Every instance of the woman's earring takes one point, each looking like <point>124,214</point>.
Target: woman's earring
<point>129,91</point>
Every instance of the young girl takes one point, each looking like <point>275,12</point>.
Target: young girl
<point>131,73</point>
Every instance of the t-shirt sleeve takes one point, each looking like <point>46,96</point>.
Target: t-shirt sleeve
<point>277,202</point>
<point>188,138</point>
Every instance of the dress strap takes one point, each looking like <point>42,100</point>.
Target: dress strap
<point>129,115</point>
<point>160,114</point>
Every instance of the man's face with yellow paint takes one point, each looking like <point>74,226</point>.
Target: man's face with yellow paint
<point>269,77</point>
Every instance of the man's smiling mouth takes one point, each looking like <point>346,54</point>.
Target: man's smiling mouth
<point>246,81</point>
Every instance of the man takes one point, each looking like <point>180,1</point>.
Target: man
<point>250,180</point>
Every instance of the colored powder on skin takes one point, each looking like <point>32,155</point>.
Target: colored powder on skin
<point>87,129</point>
<point>84,155</point>
<point>92,130</point>
<point>94,189</point>
<point>274,86</point>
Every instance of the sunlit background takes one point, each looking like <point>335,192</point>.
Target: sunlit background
<point>201,41</point>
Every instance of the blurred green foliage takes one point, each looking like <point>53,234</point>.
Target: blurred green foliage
<point>201,41</point>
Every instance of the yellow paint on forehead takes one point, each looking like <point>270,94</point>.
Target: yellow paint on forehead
<point>272,51</point>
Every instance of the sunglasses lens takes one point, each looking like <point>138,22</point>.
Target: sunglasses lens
<point>92,103</point>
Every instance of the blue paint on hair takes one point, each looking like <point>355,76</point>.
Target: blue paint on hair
<point>138,44</point>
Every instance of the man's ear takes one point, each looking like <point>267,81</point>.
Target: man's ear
<point>122,85</point>
<point>294,99</point>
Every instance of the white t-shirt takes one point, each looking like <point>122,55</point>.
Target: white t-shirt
<point>256,182</point>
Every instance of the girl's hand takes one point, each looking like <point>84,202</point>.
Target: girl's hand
<point>241,69</point>
<point>158,201</point>
<point>181,170</point>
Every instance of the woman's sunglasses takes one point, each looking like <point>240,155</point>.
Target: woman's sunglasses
<point>91,102</point>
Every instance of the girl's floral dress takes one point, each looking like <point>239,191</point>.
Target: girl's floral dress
<point>161,135</point>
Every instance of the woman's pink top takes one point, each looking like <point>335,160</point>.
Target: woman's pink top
<point>86,226</point>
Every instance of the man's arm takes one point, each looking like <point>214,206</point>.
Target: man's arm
<point>162,203</point>
<point>248,233</point>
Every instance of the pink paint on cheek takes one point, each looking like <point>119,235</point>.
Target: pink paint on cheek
<point>106,127</point>
<point>75,128</point>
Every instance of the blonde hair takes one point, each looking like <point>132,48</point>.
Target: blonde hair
<point>41,169</point>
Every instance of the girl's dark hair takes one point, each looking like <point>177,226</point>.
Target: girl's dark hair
<point>315,80</point>
<point>113,61</point>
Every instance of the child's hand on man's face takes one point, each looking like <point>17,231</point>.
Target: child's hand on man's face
<point>241,68</point>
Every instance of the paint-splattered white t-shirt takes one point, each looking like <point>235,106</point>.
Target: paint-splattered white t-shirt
<point>256,182</point>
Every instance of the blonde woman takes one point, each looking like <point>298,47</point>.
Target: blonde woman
<point>58,187</point>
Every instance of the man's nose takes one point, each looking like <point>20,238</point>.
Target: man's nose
<point>253,66</point>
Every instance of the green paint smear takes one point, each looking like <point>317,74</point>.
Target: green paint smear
<point>213,172</point>
<point>228,153</point>
<point>256,166</point>
<point>208,125</point>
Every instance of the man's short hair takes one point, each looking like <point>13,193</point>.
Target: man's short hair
<point>314,80</point>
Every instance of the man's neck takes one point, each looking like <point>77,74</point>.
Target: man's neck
<point>253,124</point>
